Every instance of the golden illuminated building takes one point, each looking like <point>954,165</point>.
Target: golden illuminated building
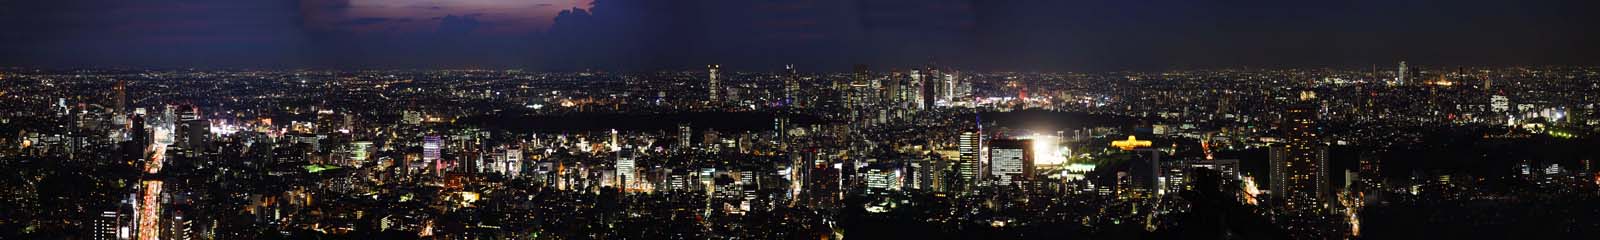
<point>1130,144</point>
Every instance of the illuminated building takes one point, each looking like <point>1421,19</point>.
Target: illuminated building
<point>919,90</point>
<point>178,228</point>
<point>1400,75</point>
<point>882,178</point>
<point>1299,164</point>
<point>1174,177</point>
<point>1499,103</point>
<point>121,100</point>
<point>192,132</point>
<point>1011,160</point>
<point>430,151</point>
<point>747,189</point>
<point>933,80</point>
<point>513,162</point>
<point>360,151</point>
<point>791,85</point>
<point>859,89</point>
<point>713,74</point>
<point>927,173</point>
<point>684,135</point>
<point>411,117</point>
<point>1130,144</point>
<point>780,125</point>
<point>625,168</point>
<point>108,226</point>
<point>1229,168</point>
<point>948,88</point>
<point>1177,175</point>
<point>968,166</point>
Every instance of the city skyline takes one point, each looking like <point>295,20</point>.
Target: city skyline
<point>798,119</point>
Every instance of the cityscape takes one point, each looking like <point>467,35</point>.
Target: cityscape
<point>743,149</point>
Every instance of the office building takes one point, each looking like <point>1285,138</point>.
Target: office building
<point>714,76</point>
<point>1011,161</point>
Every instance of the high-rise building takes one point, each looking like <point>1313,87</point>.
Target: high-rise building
<point>430,151</point>
<point>513,162</point>
<point>684,135</point>
<point>1178,175</point>
<point>967,166</point>
<point>177,227</point>
<point>935,85</point>
<point>625,168</point>
<point>919,90</point>
<point>121,100</point>
<point>883,178</point>
<point>1299,163</point>
<point>889,89</point>
<point>191,131</point>
<point>780,125</point>
<point>1499,103</point>
<point>713,74</point>
<point>108,226</point>
<point>1011,161</point>
<point>927,173</point>
<point>1400,75</point>
<point>949,88</point>
<point>791,85</point>
<point>859,88</point>
<point>360,152</point>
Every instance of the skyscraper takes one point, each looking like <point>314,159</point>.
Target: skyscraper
<point>780,125</point>
<point>949,90</point>
<point>430,151</point>
<point>1400,76</point>
<point>889,89</point>
<point>791,84</point>
<point>968,165</point>
<point>935,83</point>
<point>513,162</point>
<point>684,135</point>
<point>192,131</point>
<point>859,88</point>
<point>919,90</point>
<point>1299,164</point>
<point>121,90</point>
<point>625,168</point>
<point>108,226</point>
<point>714,75</point>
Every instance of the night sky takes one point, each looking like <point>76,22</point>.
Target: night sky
<point>818,35</point>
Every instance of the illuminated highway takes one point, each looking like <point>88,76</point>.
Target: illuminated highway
<point>150,198</point>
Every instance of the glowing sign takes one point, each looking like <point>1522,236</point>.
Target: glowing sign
<point>1130,144</point>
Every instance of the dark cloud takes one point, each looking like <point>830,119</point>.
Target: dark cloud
<point>256,33</point>
<point>365,21</point>
<point>453,25</point>
<point>824,35</point>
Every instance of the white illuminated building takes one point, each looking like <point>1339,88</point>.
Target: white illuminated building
<point>883,180</point>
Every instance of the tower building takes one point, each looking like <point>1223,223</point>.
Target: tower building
<point>968,164</point>
<point>1299,165</point>
<point>713,74</point>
